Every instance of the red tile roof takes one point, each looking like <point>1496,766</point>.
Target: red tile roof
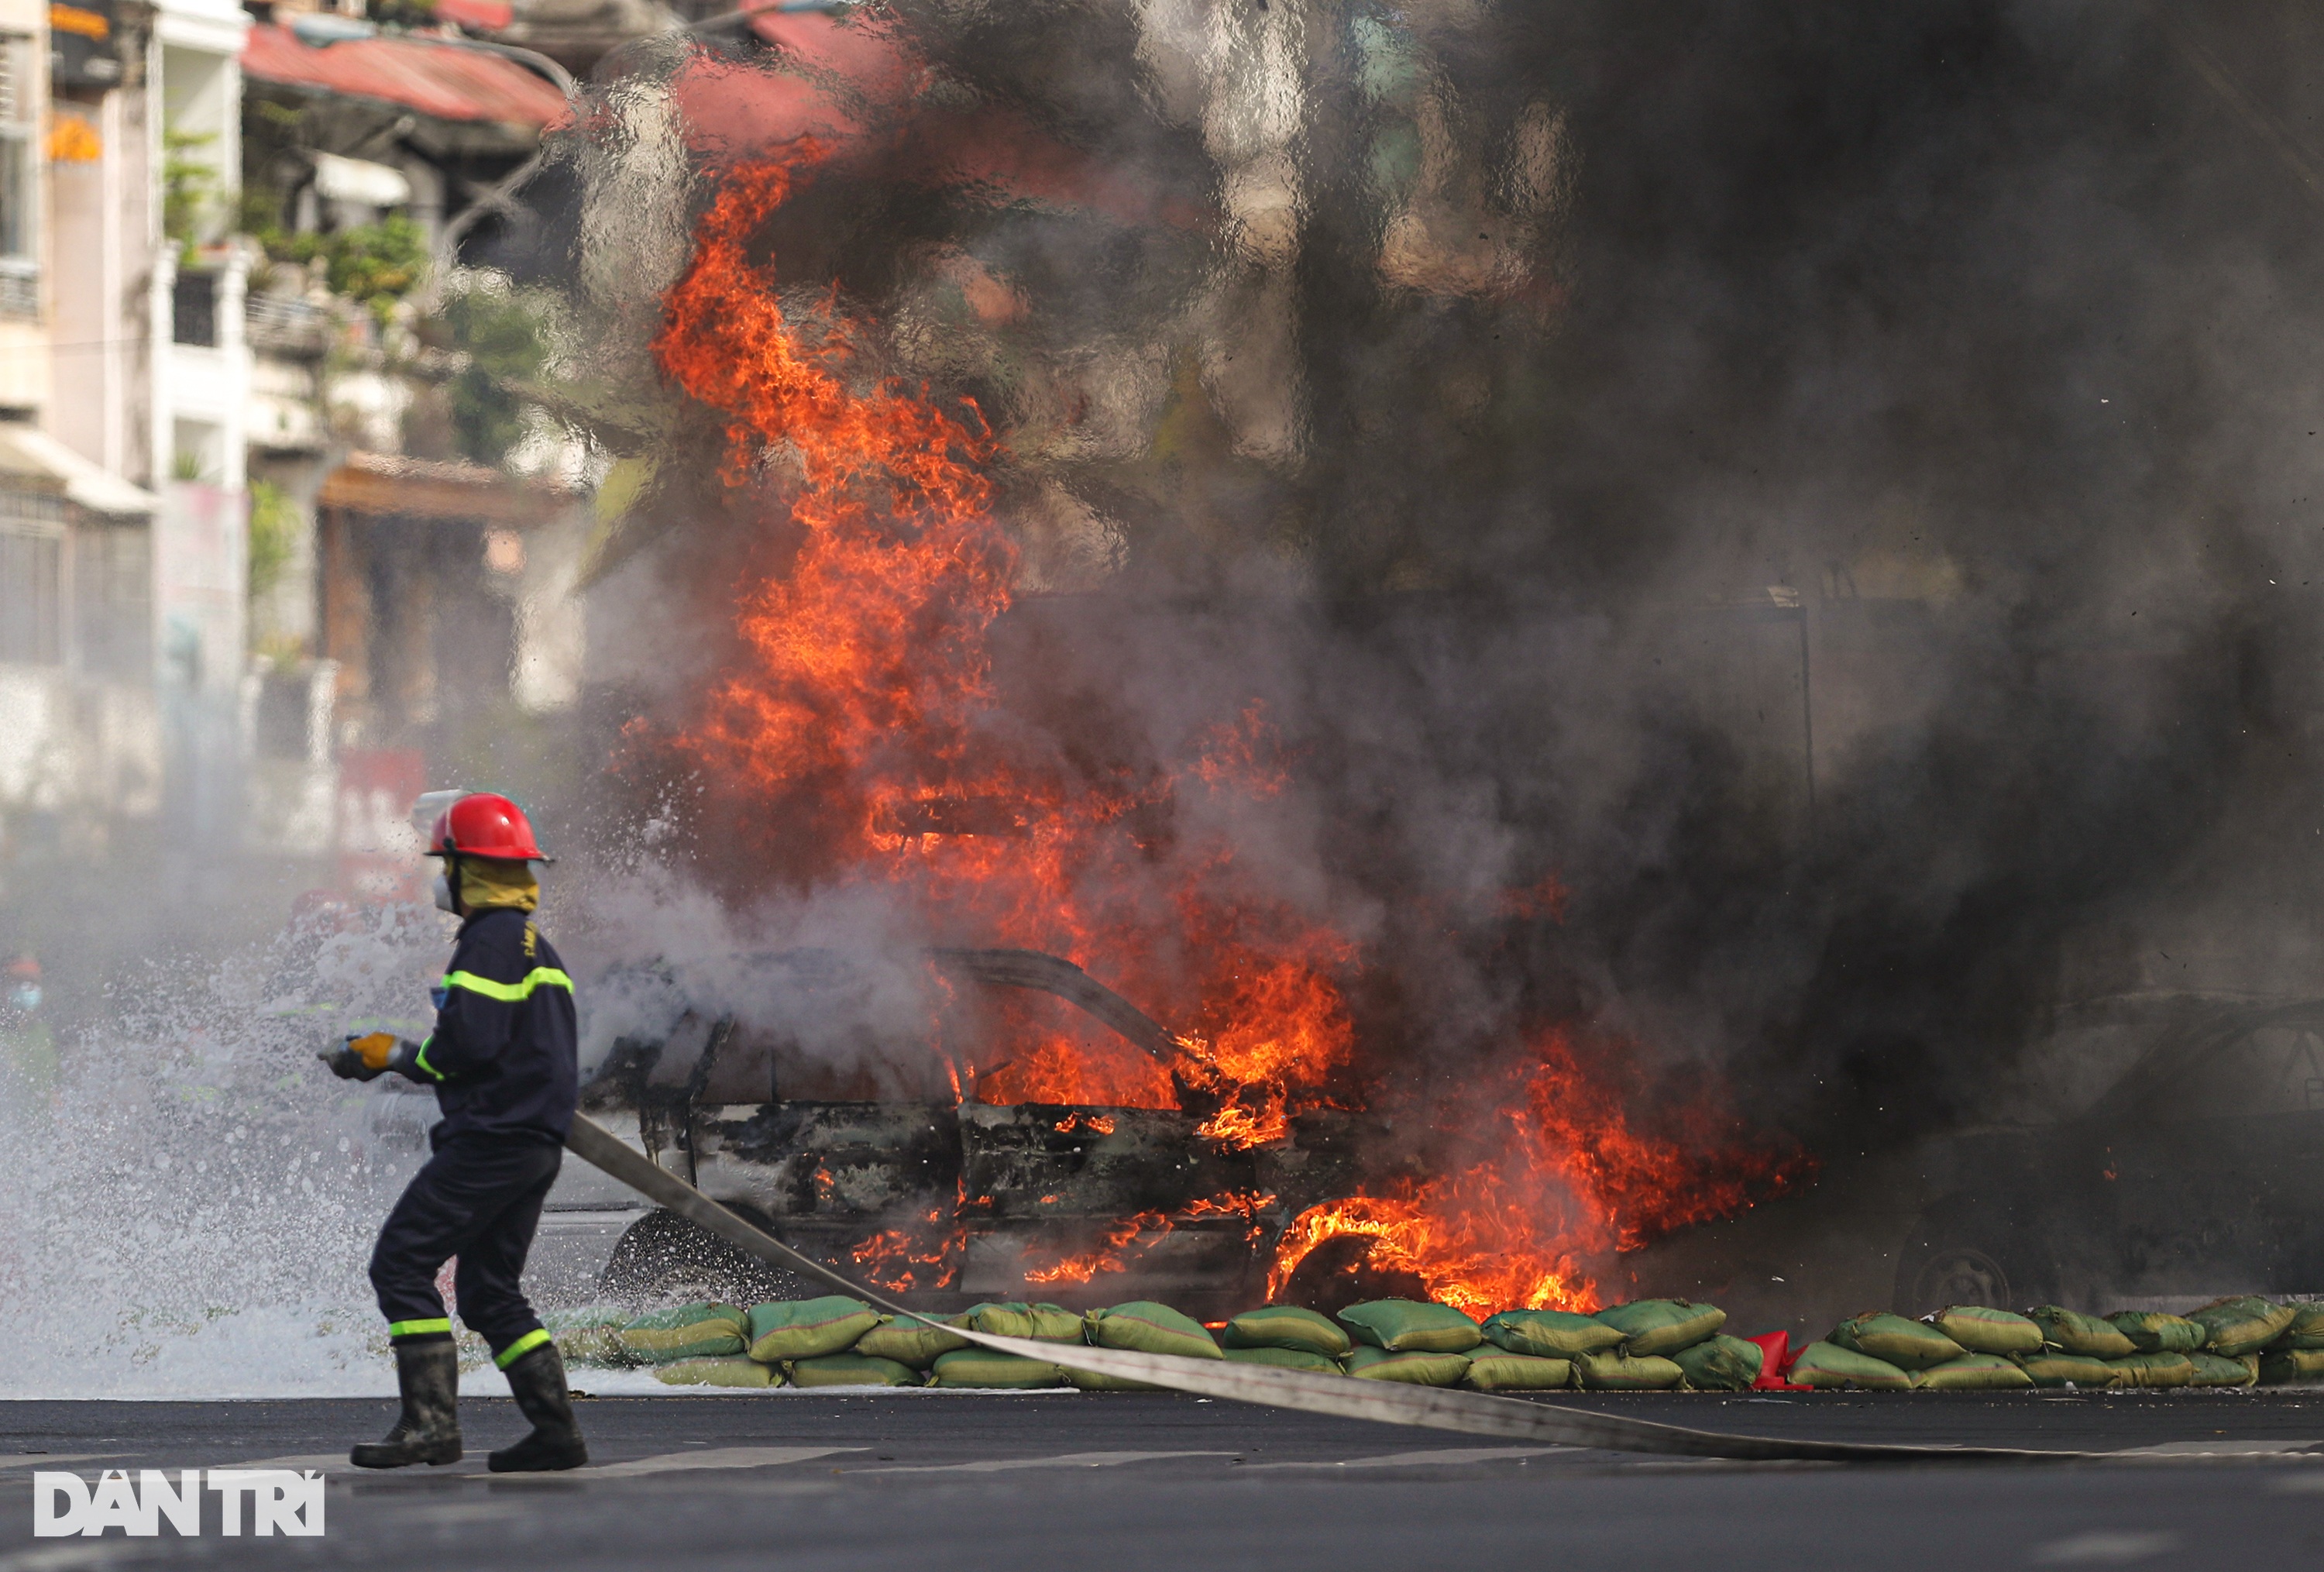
<point>441,80</point>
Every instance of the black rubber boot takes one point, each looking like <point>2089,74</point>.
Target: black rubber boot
<point>428,1373</point>
<point>538,1383</point>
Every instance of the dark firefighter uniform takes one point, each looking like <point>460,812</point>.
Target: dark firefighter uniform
<point>502,1059</point>
<point>503,1063</point>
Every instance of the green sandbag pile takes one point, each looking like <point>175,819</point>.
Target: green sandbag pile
<point>1144,1326</point>
<point>851,1370</point>
<point>2219,1370</point>
<point>1828,1367</point>
<point>1287,1327</point>
<point>1662,1327</point>
<point>1551,1334</point>
<point>695,1331</point>
<point>1411,1326</point>
<point>1973,1373</point>
<point>1284,1359</point>
<point>1492,1369</point>
<point>1034,1323</point>
<point>2052,1367</point>
<point>2072,1331</point>
<point>2243,1324</point>
<point>727,1370</point>
<point>2154,1370</point>
<point>1981,1330</point>
<point>1416,1366</point>
<point>1615,1371</point>
<point>1720,1364</point>
<point>2153,1332</point>
<point>2306,1330</point>
<point>2285,1367</point>
<point>983,1367</point>
<point>1907,1344</point>
<point>807,1328</point>
<point>590,1335</point>
<point>908,1341</point>
<point>1646,1346</point>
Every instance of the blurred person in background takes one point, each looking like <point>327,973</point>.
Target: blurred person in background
<point>28,1050</point>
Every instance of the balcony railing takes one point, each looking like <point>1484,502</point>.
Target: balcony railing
<point>20,289</point>
<point>278,325</point>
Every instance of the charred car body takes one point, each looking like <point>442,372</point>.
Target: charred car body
<point>942,1199</point>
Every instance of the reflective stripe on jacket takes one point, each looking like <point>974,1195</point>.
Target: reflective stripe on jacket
<point>501,1057</point>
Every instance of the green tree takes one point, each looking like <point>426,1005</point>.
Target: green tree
<point>504,337</point>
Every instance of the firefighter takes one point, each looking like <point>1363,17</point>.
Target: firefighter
<point>502,1061</point>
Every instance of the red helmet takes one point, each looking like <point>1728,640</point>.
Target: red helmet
<point>485,824</point>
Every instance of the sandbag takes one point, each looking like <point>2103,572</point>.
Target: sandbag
<point>1907,1344</point>
<point>1981,1330</point>
<point>2242,1323</point>
<point>1144,1326</point>
<point>1098,1381</point>
<point>1973,1373</point>
<point>1287,1327</point>
<point>1607,1371</point>
<point>852,1370</point>
<point>2306,1330</point>
<point>908,1341</point>
<point>2153,1332</point>
<point>983,1368</point>
<point>2072,1331</point>
<point>1037,1323</point>
<point>1492,1369</point>
<point>1413,1366</point>
<point>1284,1359</point>
<point>1653,1327</point>
<point>2218,1370</point>
<point>805,1329</point>
<point>2053,1367</point>
<point>697,1331</point>
<point>732,1370</point>
<point>590,1336</point>
<point>1827,1367</point>
<point>2284,1365</point>
<point>1720,1363</point>
<point>1411,1326</point>
<point>1553,1334</point>
<point>2154,1370</point>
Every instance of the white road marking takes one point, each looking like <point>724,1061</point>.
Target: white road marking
<point>1443,1455</point>
<point>2104,1547</point>
<point>680,1462</point>
<point>45,1460</point>
<point>65,1557</point>
<point>2217,1448</point>
<point>1068,1460</point>
<point>320,1461</point>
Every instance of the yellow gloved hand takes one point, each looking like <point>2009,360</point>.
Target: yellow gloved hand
<point>374,1049</point>
<point>369,1056</point>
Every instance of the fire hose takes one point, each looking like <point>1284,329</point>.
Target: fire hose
<point>1426,1408</point>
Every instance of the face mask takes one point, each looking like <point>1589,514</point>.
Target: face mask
<point>443,890</point>
<point>26,997</point>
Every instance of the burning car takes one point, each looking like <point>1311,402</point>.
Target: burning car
<point>929,1194</point>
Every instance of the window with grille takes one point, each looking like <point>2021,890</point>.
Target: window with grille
<point>19,176</point>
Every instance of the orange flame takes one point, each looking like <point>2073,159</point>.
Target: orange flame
<point>862,740</point>
<point>1570,1180</point>
<point>862,717</point>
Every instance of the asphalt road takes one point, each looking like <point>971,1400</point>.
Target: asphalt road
<point>1131,1480</point>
